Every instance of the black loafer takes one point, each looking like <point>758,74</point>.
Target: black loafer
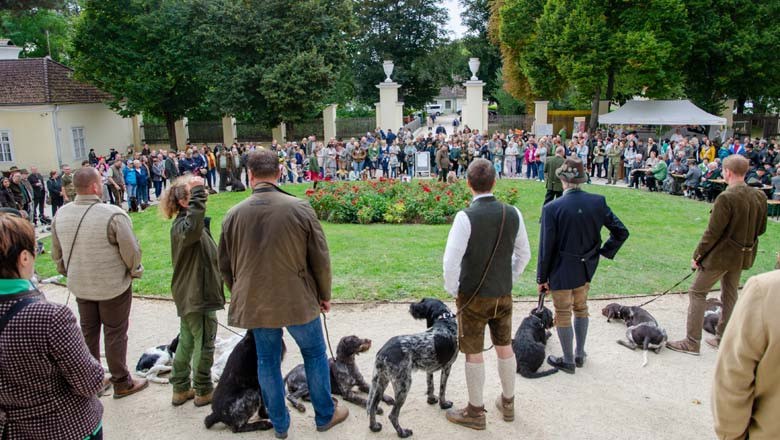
<point>579,361</point>
<point>558,363</point>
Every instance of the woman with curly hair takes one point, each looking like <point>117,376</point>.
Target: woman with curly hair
<point>196,287</point>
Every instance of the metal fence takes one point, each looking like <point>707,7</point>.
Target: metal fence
<point>155,133</point>
<point>299,130</point>
<point>354,127</point>
<point>510,122</point>
<point>253,132</point>
<point>757,125</point>
<point>205,131</point>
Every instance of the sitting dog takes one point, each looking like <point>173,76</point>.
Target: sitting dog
<point>344,376</point>
<point>712,315</point>
<point>643,330</point>
<point>452,177</point>
<point>530,342</point>
<point>237,397</point>
<point>433,350</point>
<point>156,361</point>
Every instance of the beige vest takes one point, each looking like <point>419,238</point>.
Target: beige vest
<point>96,271</point>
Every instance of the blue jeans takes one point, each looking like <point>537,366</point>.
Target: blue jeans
<point>131,192</point>
<point>142,192</point>
<point>540,171</point>
<point>310,340</point>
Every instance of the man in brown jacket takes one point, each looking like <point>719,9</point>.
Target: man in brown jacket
<point>728,246</point>
<point>443,162</point>
<point>274,259</point>
<point>746,389</point>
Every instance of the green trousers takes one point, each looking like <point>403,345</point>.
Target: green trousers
<point>612,169</point>
<point>195,353</point>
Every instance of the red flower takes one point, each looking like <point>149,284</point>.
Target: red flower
<point>355,189</point>
<point>309,192</point>
<point>438,198</point>
<point>426,189</point>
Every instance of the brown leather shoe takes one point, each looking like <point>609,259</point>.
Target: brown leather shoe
<point>182,397</point>
<point>469,417</point>
<point>340,413</point>
<point>204,399</point>
<point>713,342</point>
<point>136,386</point>
<point>684,346</point>
<point>506,407</point>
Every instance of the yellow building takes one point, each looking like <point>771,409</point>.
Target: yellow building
<point>48,119</point>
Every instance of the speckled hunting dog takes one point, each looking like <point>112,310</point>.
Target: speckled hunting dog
<point>344,376</point>
<point>433,350</point>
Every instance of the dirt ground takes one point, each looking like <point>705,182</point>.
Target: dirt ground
<point>612,397</point>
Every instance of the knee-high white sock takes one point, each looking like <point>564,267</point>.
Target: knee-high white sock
<point>475,383</point>
<point>507,370</point>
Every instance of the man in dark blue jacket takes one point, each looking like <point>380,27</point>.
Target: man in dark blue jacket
<point>569,251</point>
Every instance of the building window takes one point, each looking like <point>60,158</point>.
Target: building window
<point>6,152</point>
<point>79,143</point>
<point>448,105</point>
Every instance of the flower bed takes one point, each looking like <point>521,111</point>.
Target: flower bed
<point>390,201</point>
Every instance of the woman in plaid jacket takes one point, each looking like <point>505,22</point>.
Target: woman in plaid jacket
<point>48,379</point>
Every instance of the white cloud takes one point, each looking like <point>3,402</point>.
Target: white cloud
<point>454,25</point>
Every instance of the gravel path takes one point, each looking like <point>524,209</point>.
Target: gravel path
<point>612,397</point>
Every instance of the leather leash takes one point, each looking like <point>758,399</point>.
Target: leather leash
<point>693,271</point>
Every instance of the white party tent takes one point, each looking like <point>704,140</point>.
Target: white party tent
<point>660,112</point>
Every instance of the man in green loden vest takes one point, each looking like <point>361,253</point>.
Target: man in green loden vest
<point>487,251</point>
<point>728,246</point>
<point>614,154</point>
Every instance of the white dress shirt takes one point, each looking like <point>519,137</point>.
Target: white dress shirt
<point>458,240</point>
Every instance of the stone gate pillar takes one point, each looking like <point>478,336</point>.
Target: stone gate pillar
<point>389,111</point>
<point>474,112</point>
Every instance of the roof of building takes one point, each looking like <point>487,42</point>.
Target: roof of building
<point>451,92</point>
<point>31,81</point>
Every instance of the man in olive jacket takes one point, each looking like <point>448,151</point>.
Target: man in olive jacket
<point>728,246</point>
<point>274,259</point>
<point>554,185</point>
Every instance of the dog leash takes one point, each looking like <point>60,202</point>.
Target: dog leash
<point>668,290</point>
<point>327,333</point>
<point>227,328</point>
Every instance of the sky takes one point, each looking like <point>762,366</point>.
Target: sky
<point>454,25</point>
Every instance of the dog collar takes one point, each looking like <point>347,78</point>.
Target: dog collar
<point>447,315</point>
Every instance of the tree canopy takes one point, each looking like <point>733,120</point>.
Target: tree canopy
<point>475,17</point>
<point>40,32</point>
<point>408,32</point>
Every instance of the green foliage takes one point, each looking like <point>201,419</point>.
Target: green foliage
<point>28,30</point>
<point>630,47</point>
<point>140,51</point>
<point>408,32</point>
<point>275,60</point>
<point>475,17</point>
<point>734,51</point>
<point>391,201</point>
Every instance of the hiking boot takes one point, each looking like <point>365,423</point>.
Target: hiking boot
<point>340,413</point>
<point>713,342</point>
<point>684,346</point>
<point>579,361</point>
<point>280,435</point>
<point>506,407</point>
<point>182,397</point>
<point>136,385</point>
<point>204,399</point>
<point>470,417</point>
<point>558,363</point>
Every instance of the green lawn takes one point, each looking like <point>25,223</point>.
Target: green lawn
<point>396,262</point>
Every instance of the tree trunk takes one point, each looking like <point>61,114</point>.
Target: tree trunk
<point>594,111</point>
<point>170,124</point>
<point>610,88</point>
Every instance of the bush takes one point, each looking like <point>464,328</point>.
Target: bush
<point>390,201</point>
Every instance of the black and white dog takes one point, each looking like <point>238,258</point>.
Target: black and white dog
<point>237,397</point>
<point>344,376</point>
<point>712,315</point>
<point>530,342</point>
<point>433,350</point>
<point>643,330</point>
<point>156,361</point>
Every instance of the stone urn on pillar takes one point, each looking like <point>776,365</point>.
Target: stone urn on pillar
<point>388,66</point>
<point>474,67</point>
